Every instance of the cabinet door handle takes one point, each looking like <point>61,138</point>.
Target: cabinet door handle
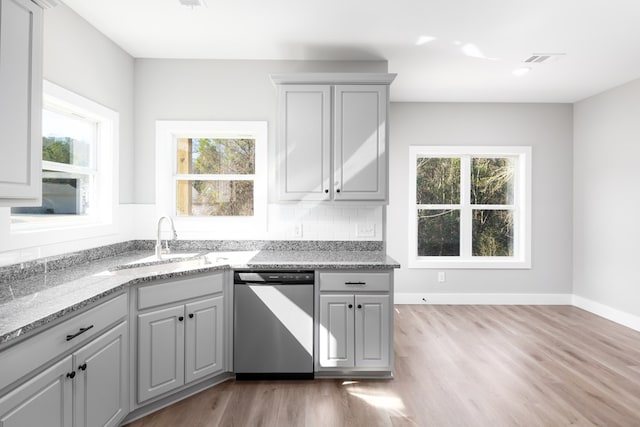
<point>350,305</point>
<point>326,191</point>
<point>181,318</point>
<point>71,374</point>
<point>359,305</point>
<point>355,283</point>
<point>81,331</point>
<point>337,190</point>
<point>190,315</point>
<point>83,367</point>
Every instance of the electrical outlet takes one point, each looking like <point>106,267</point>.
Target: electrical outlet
<point>366,229</point>
<point>441,277</point>
<point>297,230</point>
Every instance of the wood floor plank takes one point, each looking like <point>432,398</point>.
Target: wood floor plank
<point>454,366</point>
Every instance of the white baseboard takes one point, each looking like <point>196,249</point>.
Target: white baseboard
<point>483,299</point>
<point>613,314</point>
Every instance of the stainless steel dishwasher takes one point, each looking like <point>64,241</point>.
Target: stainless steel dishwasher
<point>273,324</point>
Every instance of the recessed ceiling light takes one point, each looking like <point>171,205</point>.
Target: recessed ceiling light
<point>519,72</point>
<point>193,3</point>
<point>424,40</point>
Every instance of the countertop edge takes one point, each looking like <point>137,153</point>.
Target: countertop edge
<point>33,327</point>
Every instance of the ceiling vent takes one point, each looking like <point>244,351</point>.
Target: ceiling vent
<point>540,58</point>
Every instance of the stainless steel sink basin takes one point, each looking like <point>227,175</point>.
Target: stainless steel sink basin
<point>179,262</point>
<point>154,261</point>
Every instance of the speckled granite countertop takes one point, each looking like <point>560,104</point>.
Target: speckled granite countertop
<point>323,259</point>
<point>29,303</point>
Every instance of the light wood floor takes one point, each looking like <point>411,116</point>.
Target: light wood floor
<point>455,366</point>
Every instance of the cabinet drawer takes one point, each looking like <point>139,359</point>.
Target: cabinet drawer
<point>40,349</point>
<point>179,290</point>
<point>354,282</point>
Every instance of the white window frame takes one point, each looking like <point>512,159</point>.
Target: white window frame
<point>214,227</point>
<point>522,208</point>
<point>103,170</point>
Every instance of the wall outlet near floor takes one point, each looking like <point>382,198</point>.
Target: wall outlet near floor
<point>297,230</point>
<point>441,277</point>
<point>366,229</point>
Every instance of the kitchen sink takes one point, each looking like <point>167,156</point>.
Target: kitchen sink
<point>181,261</point>
<point>153,260</point>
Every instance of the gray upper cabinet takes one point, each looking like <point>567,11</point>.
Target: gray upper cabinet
<point>360,158</point>
<point>332,136</point>
<point>304,131</point>
<point>21,102</point>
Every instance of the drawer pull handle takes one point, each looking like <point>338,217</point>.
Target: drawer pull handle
<point>355,283</point>
<point>81,331</point>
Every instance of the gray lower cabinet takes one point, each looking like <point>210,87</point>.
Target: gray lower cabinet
<point>84,389</point>
<point>101,380</point>
<point>179,344</point>
<point>45,400</point>
<point>354,331</point>
<point>355,322</point>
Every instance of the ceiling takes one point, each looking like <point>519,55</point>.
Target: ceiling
<point>468,49</point>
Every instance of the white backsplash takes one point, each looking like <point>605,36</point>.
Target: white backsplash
<point>319,222</point>
<point>138,221</point>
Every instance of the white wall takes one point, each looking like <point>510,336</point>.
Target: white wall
<point>607,198</point>
<point>79,58</point>
<point>547,128</point>
<point>178,89</point>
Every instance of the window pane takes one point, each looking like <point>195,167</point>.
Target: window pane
<point>67,139</point>
<point>216,156</point>
<point>214,198</point>
<point>492,233</point>
<point>438,181</point>
<point>438,232</point>
<point>492,181</point>
<point>62,194</point>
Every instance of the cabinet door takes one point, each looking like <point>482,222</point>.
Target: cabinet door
<point>304,135</point>
<point>372,330</point>
<point>360,142</point>
<point>20,103</point>
<point>160,351</point>
<point>45,400</point>
<point>101,381</point>
<point>336,346</point>
<point>204,338</point>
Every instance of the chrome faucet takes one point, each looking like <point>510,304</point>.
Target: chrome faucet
<point>166,250</point>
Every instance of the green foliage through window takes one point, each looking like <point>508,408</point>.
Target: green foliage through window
<point>438,181</point>
<point>216,196</point>
<point>441,202</point>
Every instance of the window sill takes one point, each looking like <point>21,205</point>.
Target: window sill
<point>479,264</point>
<point>64,222</point>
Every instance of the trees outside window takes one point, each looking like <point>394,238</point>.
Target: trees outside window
<point>469,207</point>
<point>78,141</point>
<point>215,176</point>
<point>211,177</point>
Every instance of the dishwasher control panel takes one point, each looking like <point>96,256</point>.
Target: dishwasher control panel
<point>284,277</point>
